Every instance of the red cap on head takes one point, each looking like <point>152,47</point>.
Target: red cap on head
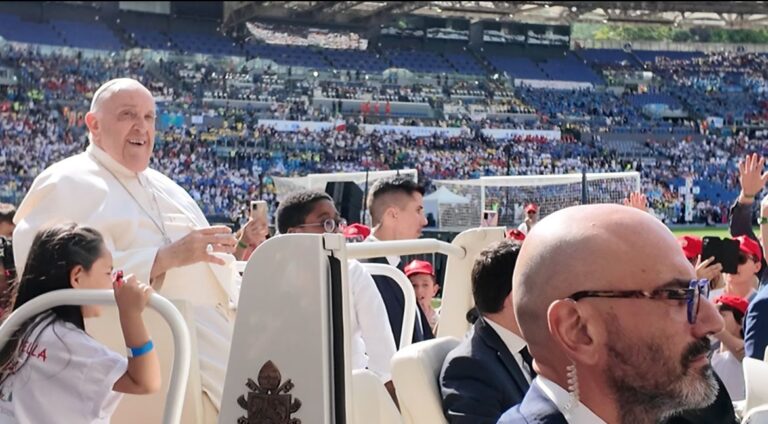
<point>736,302</point>
<point>531,207</point>
<point>357,230</point>
<point>750,247</point>
<point>515,234</point>
<point>419,267</point>
<point>691,245</point>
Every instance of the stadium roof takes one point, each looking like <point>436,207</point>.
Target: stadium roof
<point>363,14</point>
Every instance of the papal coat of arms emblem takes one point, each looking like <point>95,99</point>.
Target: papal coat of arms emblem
<point>268,402</point>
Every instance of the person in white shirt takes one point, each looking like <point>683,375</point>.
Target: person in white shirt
<point>154,229</point>
<point>490,371</point>
<point>531,218</point>
<point>619,327</point>
<point>50,369</point>
<point>727,359</point>
<point>314,212</point>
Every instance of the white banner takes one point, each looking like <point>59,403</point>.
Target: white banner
<point>295,126</point>
<point>503,134</point>
<point>415,131</point>
<point>554,85</point>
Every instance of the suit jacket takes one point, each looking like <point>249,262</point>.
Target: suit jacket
<point>480,378</point>
<point>756,326</point>
<point>394,302</point>
<point>740,224</point>
<point>536,408</point>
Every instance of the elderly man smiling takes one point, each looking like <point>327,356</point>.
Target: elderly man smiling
<point>154,229</point>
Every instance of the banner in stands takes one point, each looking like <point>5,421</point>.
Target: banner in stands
<point>295,126</point>
<point>500,133</point>
<point>554,85</point>
<point>415,131</point>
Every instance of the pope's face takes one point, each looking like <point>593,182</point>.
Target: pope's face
<point>123,125</point>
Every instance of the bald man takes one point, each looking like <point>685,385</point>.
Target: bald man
<point>614,318</point>
<point>154,229</point>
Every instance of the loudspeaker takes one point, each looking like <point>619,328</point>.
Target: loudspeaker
<point>348,198</point>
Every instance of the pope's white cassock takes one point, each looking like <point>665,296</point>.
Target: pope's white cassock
<point>137,214</point>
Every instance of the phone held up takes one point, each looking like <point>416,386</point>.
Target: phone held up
<point>725,251</point>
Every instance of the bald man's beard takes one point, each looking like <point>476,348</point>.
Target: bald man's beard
<point>650,383</point>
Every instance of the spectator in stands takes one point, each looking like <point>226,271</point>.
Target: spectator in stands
<point>596,362</point>
<point>726,361</point>
<point>490,371</point>
<point>250,236</point>
<point>752,181</point>
<point>314,212</point>
<point>425,286</point>
<point>8,280</point>
<point>397,213</point>
<point>7,212</point>
<point>153,227</point>
<point>51,351</point>
<point>531,217</point>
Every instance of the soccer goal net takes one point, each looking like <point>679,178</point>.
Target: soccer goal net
<point>467,199</point>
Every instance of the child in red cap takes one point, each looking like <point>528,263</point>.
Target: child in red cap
<point>424,282</point>
<point>727,360</point>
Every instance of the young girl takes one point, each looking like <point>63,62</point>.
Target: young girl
<point>50,369</point>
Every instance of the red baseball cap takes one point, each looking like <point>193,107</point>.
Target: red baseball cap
<point>515,234</point>
<point>750,247</point>
<point>357,230</point>
<point>531,207</point>
<point>691,245</point>
<point>736,302</point>
<point>419,267</point>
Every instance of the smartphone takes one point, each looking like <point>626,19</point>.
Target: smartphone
<point>725,251</point>
<point>490,219</point>
<point>259,210</point>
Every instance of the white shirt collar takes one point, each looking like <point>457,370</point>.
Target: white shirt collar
<point>108,162</point>
<point>393,260</point>
<point>513,342</point>
<point>580,414</point>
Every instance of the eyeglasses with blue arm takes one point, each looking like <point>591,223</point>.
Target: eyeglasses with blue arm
<point>692,295</point>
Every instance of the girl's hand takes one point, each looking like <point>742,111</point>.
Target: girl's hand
<point>131,296</point>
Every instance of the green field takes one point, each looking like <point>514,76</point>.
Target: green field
<point>705,231</point>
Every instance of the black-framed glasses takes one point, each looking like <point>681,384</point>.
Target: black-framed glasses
<point>691,295</point>
<point>330,225</point>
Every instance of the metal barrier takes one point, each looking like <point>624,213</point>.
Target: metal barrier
<point>181,338</point>
<point>404,247</point>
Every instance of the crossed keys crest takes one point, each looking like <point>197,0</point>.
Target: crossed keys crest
<point>268,402</point>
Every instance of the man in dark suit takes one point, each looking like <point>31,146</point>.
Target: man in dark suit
<point>489,372</point>
<point>397,213</point>
<point>618,327</point>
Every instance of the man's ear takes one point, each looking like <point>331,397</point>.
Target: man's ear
<point>577,329</point>
<point>92,122</point>
<point>74,276</point>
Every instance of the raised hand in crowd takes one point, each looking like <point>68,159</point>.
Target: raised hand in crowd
<point>707,269</point>
<point>752,179</point>
<point>637,200</point>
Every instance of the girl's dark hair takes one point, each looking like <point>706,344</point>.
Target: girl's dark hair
<point>55,252</point>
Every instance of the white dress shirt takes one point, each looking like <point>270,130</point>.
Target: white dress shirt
<point>514,344</point>
<point>579,414</point>
<point>372,345</point>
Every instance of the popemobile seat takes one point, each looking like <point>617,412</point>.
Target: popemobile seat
<point>372,402</point>
<point>755,378</point>
<point>416,373</point>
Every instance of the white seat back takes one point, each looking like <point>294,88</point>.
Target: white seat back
<point>149,408</point>
<point>409,311</point>
<point>755,378</point>
<point>757,415</point>
<point>372,402</point>
<point>415,372</point>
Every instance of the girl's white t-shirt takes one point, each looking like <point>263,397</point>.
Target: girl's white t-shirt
<point>67,378</point>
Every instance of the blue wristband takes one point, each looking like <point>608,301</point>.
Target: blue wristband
<point>135,352</point>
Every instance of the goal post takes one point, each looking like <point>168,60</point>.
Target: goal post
<point>509,194</point>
